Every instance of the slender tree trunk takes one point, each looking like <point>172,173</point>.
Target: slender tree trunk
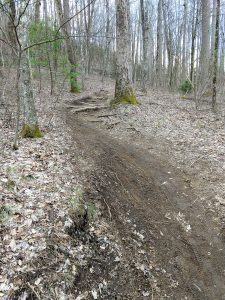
<point>88,18</point>
<point>159,46</point>
<point>124,93</point>
<point>11,27</point>
<point>107,42</point>
<point>213,27</point>
<point>193,38</point>
<point>52,77</point>
<point>205,45</point>
<point>222,58</point>
<point>183,68</point>
<point>145,44</point>
<point>30,122</point>
<point>37,10</point>
<point>216,51</point>
<point>74,88</point>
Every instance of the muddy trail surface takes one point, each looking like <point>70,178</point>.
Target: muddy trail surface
<point>170,246</point>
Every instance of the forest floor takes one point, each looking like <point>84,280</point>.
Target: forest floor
<point>152,178</point>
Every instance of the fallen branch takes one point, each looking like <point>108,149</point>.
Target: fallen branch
<point>203,156</point>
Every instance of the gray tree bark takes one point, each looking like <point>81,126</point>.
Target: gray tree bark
<point>74,88</point>
<point>213,27</point>
<point>195,20</point>
<point>124,92</point>
<point>183,68</point>
<point>205,45</point>
<point>107,40</point>
<point>37,10</point>
<point>30,122</point>
<point>145,44</point>
<point>159,45</point>
<point>216,52</point>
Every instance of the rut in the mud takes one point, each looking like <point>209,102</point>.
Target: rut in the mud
<point>178,237</point>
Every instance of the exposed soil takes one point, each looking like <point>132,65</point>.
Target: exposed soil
<point>171,246</point>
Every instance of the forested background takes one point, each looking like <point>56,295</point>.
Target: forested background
<point>174,45</point>
<point>170,41</point>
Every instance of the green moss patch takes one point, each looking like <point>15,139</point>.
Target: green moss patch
<point>125,99</point>
<point>5,213</point>
<point>31,131</point>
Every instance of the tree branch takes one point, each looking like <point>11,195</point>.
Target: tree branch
<point>56,39</point>
<point>77,13</point>
<point>22,13</point>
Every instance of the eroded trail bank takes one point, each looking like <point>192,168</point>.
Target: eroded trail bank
<point>170,245</point>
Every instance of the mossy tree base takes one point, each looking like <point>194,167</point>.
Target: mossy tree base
<point>125,99</point>
<point>31,131</point>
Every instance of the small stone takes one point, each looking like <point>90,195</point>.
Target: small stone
<point>12,245</point>
<point>94,294</point>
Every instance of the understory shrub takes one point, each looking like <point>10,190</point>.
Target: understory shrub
<point>186,87</point>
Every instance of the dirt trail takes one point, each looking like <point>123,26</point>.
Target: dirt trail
<point>156,218</point>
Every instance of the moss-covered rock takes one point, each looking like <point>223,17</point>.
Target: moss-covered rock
<point>31,131</point>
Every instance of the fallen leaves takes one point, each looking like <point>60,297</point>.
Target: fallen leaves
<point>35,184</point>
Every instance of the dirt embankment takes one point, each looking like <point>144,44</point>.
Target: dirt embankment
<point>171,246</point>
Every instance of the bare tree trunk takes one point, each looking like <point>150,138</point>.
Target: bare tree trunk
<point>74,87</point>
<point>88,18</point>
<point>11,29</point>
<point>145,44</point>
<point>37,9</point>
<point>159,46</point>
<point>52,77</point>
<point>107,42</point>
<point>216,50</point>
<point>205,45</point>
<point>124,93</point>
<point>169,46</point>
<point>183,68</point>
<point>193,38</point>
<point>213,26</point>
<point>30,122</point>
<point>222,58</point>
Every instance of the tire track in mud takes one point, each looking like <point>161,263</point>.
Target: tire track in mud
<point>178,237</point>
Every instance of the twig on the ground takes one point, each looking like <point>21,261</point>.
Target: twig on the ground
<point>199,158</point>
<point>197,287</point>
<point>33,290</point>
<point>110,215</point>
